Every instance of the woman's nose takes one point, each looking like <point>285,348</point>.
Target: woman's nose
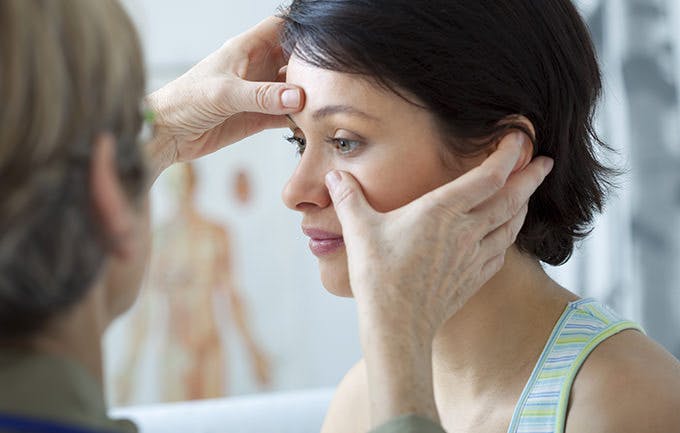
<point>306,188</point>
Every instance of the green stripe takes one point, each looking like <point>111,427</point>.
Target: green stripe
<point>578,362</point>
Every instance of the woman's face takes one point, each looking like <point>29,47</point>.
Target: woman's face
<point>388,144</point>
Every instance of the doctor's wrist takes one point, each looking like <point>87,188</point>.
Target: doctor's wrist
<point>161,153</point>
<point>399,371</point>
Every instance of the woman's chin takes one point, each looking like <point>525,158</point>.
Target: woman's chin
<point>335,280</point>
<point>342,292</point>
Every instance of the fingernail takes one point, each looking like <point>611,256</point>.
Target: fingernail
<point>519,139</point>
<point>333,179</point>
<point>290,98</point>
<point>548,164</point>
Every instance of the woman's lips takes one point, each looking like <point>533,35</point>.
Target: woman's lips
<point>323,243</point>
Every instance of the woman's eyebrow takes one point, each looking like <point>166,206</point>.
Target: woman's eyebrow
<point>330,110</point>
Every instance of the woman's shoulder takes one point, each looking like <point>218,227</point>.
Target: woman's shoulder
<point>629,383</point>
<point>349,409</point>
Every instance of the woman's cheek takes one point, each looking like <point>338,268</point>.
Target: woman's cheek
<point>381,186</point>
<point>393,175</point>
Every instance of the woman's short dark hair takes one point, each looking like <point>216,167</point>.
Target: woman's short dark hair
<point>475,64</point>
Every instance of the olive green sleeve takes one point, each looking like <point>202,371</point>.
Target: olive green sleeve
<point>409,424</point>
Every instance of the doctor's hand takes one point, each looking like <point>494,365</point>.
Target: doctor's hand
<point>413,268</point>
<point>233,93</point>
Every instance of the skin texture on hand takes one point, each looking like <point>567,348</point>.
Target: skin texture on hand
<point>413,268</point>
<point>232,94</point>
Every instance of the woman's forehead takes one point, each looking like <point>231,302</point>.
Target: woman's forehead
<point>331,92</point>
<point>334,84</point>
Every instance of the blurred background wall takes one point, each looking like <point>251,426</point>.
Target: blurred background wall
<point>276,327</point>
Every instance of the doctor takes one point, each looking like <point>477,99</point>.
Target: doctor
<point>74,211</point>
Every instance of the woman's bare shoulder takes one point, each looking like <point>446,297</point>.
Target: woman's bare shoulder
<point>348,412</point>
<point>628,384</point>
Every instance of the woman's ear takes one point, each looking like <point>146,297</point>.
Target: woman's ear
<point>521,124</point>
<point>108,198</point>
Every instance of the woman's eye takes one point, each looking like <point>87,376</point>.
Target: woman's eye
<point>299,142</point>
<point>346,146</point>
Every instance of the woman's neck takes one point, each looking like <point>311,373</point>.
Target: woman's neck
<point>500,333</point>
<point>77,334</point>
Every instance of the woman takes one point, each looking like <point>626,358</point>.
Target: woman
<point>405,96</point>
<point>74,221</point>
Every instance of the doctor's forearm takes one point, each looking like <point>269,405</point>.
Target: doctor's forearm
<point>399,368</point>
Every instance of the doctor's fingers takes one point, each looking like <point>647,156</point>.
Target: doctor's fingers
<point>498,241</point>
<point>506,203</point>
<point>482,182</point>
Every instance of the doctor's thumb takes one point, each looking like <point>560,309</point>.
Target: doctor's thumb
<point>348,200</point>
<point>267,98</point>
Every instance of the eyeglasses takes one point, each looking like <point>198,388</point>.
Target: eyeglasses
<point>147,132</point>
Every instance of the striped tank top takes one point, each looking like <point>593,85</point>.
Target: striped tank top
<point>542,407</point>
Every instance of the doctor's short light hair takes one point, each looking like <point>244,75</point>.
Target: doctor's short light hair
<point>69,71</point>
<point>474,64</point>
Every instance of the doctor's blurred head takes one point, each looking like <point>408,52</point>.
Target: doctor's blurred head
<point>73,208</point>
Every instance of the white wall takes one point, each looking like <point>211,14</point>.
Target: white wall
<point>310,335</point>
